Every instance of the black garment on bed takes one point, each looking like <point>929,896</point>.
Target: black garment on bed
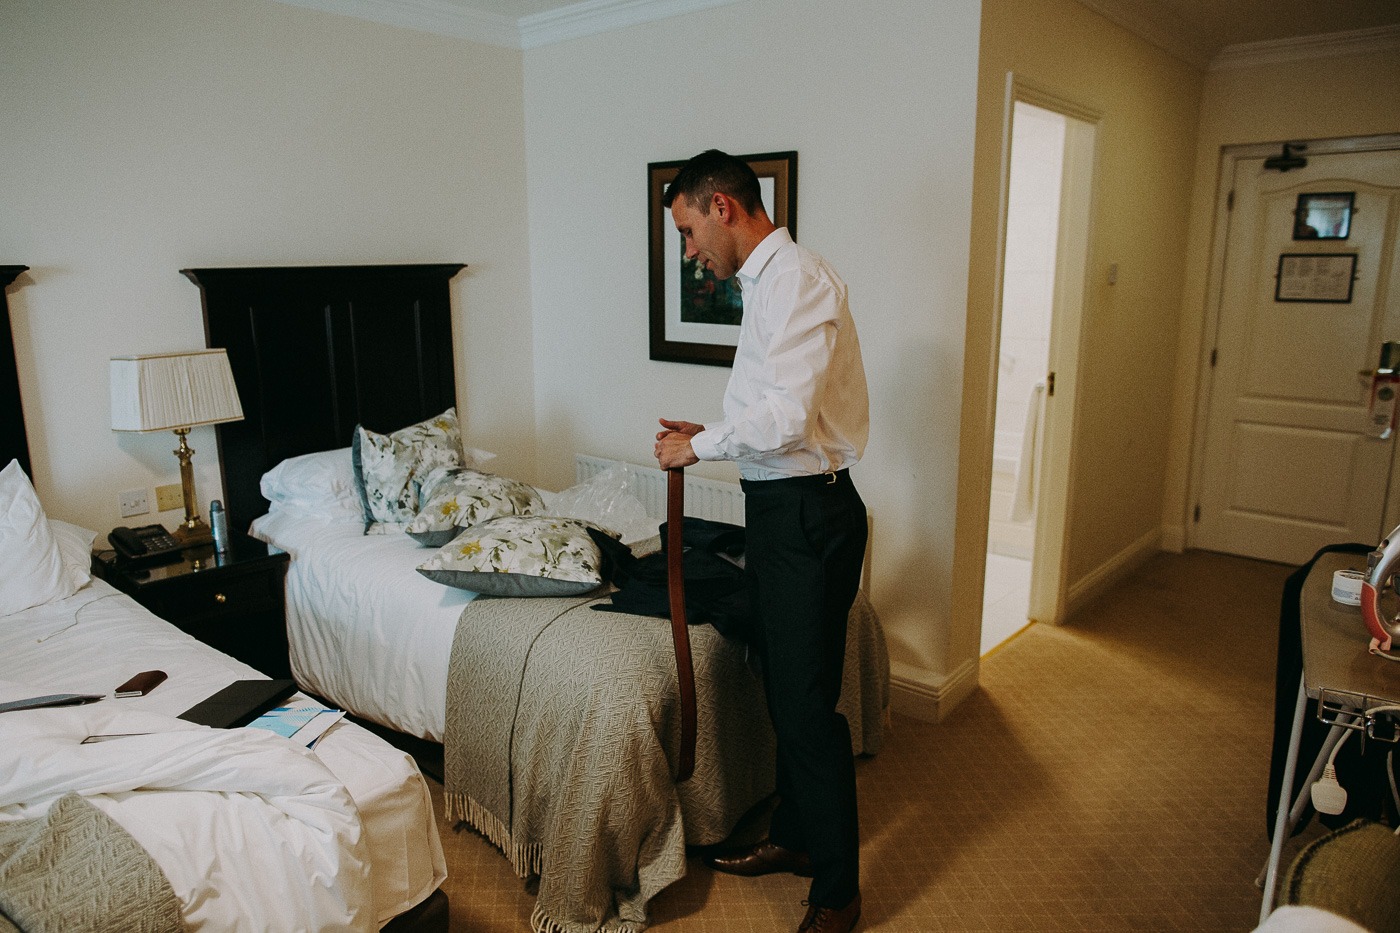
<point>713,563</point>
<point>1362,770</point>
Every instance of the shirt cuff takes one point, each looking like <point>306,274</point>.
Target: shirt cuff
<point>705,445</point>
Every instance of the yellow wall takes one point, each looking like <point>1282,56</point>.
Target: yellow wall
<point>1149,104</point>
<point>1316,98</point>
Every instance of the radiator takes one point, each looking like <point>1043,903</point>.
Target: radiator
<point>704,498</point>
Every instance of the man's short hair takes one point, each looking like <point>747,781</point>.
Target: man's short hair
<point>713,171</point>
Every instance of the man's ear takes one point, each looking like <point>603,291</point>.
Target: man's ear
<point>724,206</point>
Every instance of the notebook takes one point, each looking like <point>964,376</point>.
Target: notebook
<point>239,703</point>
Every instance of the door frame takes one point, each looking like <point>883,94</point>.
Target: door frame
<point>1049,581</point>
<point>1230,157</point>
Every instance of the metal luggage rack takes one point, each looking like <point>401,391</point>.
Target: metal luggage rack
<point>1348,710</point>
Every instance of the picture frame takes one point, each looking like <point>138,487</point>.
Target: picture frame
<point>1324,215</point>
<point>694,317</point>
<point>1322,278</point>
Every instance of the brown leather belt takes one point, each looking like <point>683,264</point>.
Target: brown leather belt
<point>680,635</point>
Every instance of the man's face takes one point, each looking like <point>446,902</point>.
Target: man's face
<point>707,239</point>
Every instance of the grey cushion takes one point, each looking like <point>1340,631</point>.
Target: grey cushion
<point>531,555</point>
<point>457,497</point>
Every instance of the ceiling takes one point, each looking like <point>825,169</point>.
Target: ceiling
<point>1195,31</point>
<point>1198,30</point>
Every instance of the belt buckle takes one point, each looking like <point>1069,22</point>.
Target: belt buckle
<point>830,477</point>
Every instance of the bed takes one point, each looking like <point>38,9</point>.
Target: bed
<point>219,829</point>
<point>559,723</point>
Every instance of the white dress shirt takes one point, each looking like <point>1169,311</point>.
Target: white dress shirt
<point>796,403</point>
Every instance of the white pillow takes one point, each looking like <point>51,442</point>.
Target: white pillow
<point>322,483</point>
<point>32,570</point>
<point>74,548</point>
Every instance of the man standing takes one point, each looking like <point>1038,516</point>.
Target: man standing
<point>796,417</point>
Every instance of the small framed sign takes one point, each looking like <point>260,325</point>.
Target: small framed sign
<point>1318,277</point>
<point>1324,216</point>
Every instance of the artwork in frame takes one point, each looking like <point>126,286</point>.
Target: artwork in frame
<point>694,316</point>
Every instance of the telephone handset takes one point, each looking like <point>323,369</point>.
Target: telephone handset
<point>149,544</point>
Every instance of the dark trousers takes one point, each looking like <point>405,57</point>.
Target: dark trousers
<point>806,544</point>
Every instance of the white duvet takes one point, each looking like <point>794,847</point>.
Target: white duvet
<point>253,832</point>
<point>366,629</point>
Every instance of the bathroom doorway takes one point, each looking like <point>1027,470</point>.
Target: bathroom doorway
<point>1049,174</point>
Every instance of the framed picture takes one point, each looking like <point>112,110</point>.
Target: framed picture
<point>1317,277</point>
<point>1324,216</point>
<point>695,316</point>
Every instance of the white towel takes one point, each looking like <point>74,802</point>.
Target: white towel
<point>1027,480</point>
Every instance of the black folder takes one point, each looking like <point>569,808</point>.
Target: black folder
<point>239,703</point>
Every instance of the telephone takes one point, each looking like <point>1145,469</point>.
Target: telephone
<point>149,544</point>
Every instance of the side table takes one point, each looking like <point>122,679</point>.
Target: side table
<point>234,601</point>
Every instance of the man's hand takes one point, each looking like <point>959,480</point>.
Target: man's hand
<point>673,444</point>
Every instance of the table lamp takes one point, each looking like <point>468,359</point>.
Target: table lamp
<point>175,392</point>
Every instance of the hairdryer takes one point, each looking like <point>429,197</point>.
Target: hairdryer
<point>1388,554</point>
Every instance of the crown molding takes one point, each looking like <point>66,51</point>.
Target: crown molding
<point>591,17</point>
<point>1160,27</point>
<point>435,16</point>
<point>445,18</point>
<point>1329,45</point>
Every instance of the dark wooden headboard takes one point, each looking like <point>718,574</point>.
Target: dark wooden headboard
<point>316,350</point>
<point>14,443</point>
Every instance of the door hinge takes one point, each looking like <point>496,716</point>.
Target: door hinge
<point>1050,386</point>
<point>1230,201</point>
<point>1196,515</point>
<point>1214,353</point>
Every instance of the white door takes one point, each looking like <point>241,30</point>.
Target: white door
<point>1289,465</point>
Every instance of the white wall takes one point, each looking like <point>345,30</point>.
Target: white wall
<point>1028,274</point>
<point>878,98</point>
<point>148,136</point>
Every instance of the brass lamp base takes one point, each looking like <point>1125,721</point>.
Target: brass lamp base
<point>193,533</point>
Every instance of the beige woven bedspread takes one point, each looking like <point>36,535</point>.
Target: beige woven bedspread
<point>75,870</point>
<point>563,727</point>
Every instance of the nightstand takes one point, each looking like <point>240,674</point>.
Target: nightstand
<point>234,602</point>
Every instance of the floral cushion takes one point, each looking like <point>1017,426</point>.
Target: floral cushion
<point>456,497</point>
<point>520,555</point>
<point>389,468</point>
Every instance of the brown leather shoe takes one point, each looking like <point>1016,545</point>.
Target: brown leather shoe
<point>762,858</point>
<point>831,919</point>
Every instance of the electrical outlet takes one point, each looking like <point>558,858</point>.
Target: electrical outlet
<point>170,497</point>
<point>133,502</point>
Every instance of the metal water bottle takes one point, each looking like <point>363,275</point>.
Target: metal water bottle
<point>218,524</point>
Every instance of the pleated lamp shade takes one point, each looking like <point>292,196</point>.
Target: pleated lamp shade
<point>164,391</point>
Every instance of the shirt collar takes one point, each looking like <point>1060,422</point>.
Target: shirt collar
<point>764,251</point>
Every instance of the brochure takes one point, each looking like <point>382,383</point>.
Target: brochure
<point>303,723</point>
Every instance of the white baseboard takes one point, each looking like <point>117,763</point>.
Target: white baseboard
<point>1174,538</point>
<point>1120,565</point>
<point>916,694</point>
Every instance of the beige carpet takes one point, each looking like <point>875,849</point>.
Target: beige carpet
<point>1108,775</point>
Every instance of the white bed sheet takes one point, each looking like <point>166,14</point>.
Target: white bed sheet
<point>234,863</point>
<point>367,631</point>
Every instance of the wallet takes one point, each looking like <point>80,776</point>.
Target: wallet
<point>140,685</point>
<point>239,703</point>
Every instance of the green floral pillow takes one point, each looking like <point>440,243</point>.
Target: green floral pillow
<point>389,468</point>
<point>456,497</point>
<point>520,555</point>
